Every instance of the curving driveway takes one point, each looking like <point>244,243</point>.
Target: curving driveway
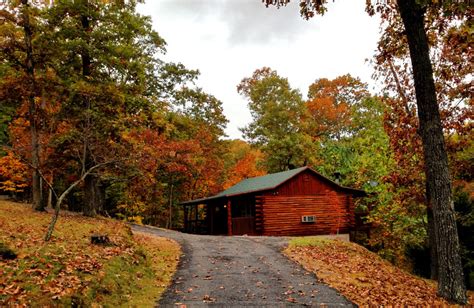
<point>236,271</point>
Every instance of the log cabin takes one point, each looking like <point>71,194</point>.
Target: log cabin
<point>294,202</point>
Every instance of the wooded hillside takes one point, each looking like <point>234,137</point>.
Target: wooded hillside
<point>93,120</point>
<point>71,271</point>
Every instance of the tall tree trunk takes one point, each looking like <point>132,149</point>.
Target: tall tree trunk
<point>32,112</point>
<point>450,282</point>
<point>431,237</point>
<point>93,199</point>
<point>93,202</point>
<point>432,245</point>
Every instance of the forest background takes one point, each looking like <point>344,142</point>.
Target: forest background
<point>91,115</point>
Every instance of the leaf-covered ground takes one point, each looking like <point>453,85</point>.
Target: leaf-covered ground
<point>361,275</point>
<point>132,270</point>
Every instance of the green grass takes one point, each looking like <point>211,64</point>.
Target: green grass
<point>309,241</point>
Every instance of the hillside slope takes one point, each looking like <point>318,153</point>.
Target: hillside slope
<point>132,270</point>
<point>362,276</point>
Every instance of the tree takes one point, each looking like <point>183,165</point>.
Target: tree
<point>329,105</point>
<point>277,112</point>
<point>448,36</point>
<point>23,71</point>
<point>180,158</point>
<point>108,65</point>
<point>131,131</point>
<point>6,114</point>
<point>13,173</point>
<point>242,161</point>
<point>412,12</point>
<point>330,119</point>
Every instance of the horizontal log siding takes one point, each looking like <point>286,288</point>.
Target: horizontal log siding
<point>305,183</point>
<point>282,214</point>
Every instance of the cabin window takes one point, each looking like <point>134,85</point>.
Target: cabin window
<point>242,210</point>
<point>243,207</point>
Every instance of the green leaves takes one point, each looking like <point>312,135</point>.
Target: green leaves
<point>6,114</point>
<point>277,112</point>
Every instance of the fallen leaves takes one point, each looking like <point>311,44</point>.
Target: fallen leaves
<point>208,299</point>
<point>68,267</point>
<point>364,277</point>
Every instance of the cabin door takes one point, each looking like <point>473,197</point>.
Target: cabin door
<point>219,219</point>
<point>243,216</point>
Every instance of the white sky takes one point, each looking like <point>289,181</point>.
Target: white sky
<point>229,39</point>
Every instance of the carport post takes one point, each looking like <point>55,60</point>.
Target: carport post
<point>229,218</point>
<point>185,209</point>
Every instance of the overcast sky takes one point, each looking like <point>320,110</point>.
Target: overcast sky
<point>229,39</point>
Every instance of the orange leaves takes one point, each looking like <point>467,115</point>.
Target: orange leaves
<point>244,168</point>
<point>326,117</point>
<point>364,277</point>
<point>14,175</point>
<point>329,105</point>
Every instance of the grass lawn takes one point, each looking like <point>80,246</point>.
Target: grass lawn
<point>133,270</point>
<point>362,276</point>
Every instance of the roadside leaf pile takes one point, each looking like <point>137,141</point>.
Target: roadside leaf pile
<point>362,276</point>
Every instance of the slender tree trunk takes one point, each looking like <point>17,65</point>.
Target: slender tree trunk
<point>170,222</point>
<point>60,199</point>
<point>32,112</point>
<point>450,282</point>
<point>49,204</point>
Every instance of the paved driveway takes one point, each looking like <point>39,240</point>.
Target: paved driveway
<point>236,271</point>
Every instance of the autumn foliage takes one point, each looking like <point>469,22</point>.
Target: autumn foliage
<point>14,175</point>
<point>362,276</point>
<point>69,270</point>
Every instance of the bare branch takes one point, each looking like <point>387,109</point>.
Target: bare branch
<point>64,194</point>
<point>399,87</point>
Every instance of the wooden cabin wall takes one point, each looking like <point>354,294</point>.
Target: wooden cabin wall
<point>305,183</point>
<point>282,214</point>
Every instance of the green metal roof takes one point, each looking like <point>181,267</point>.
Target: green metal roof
<point>265,182</point>
<point>260,183</point>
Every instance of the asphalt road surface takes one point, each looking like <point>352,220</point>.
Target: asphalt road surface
<point>240,271</point>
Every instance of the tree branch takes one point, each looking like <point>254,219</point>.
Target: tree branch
<point>399,87</point>
<point>64,194</point>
